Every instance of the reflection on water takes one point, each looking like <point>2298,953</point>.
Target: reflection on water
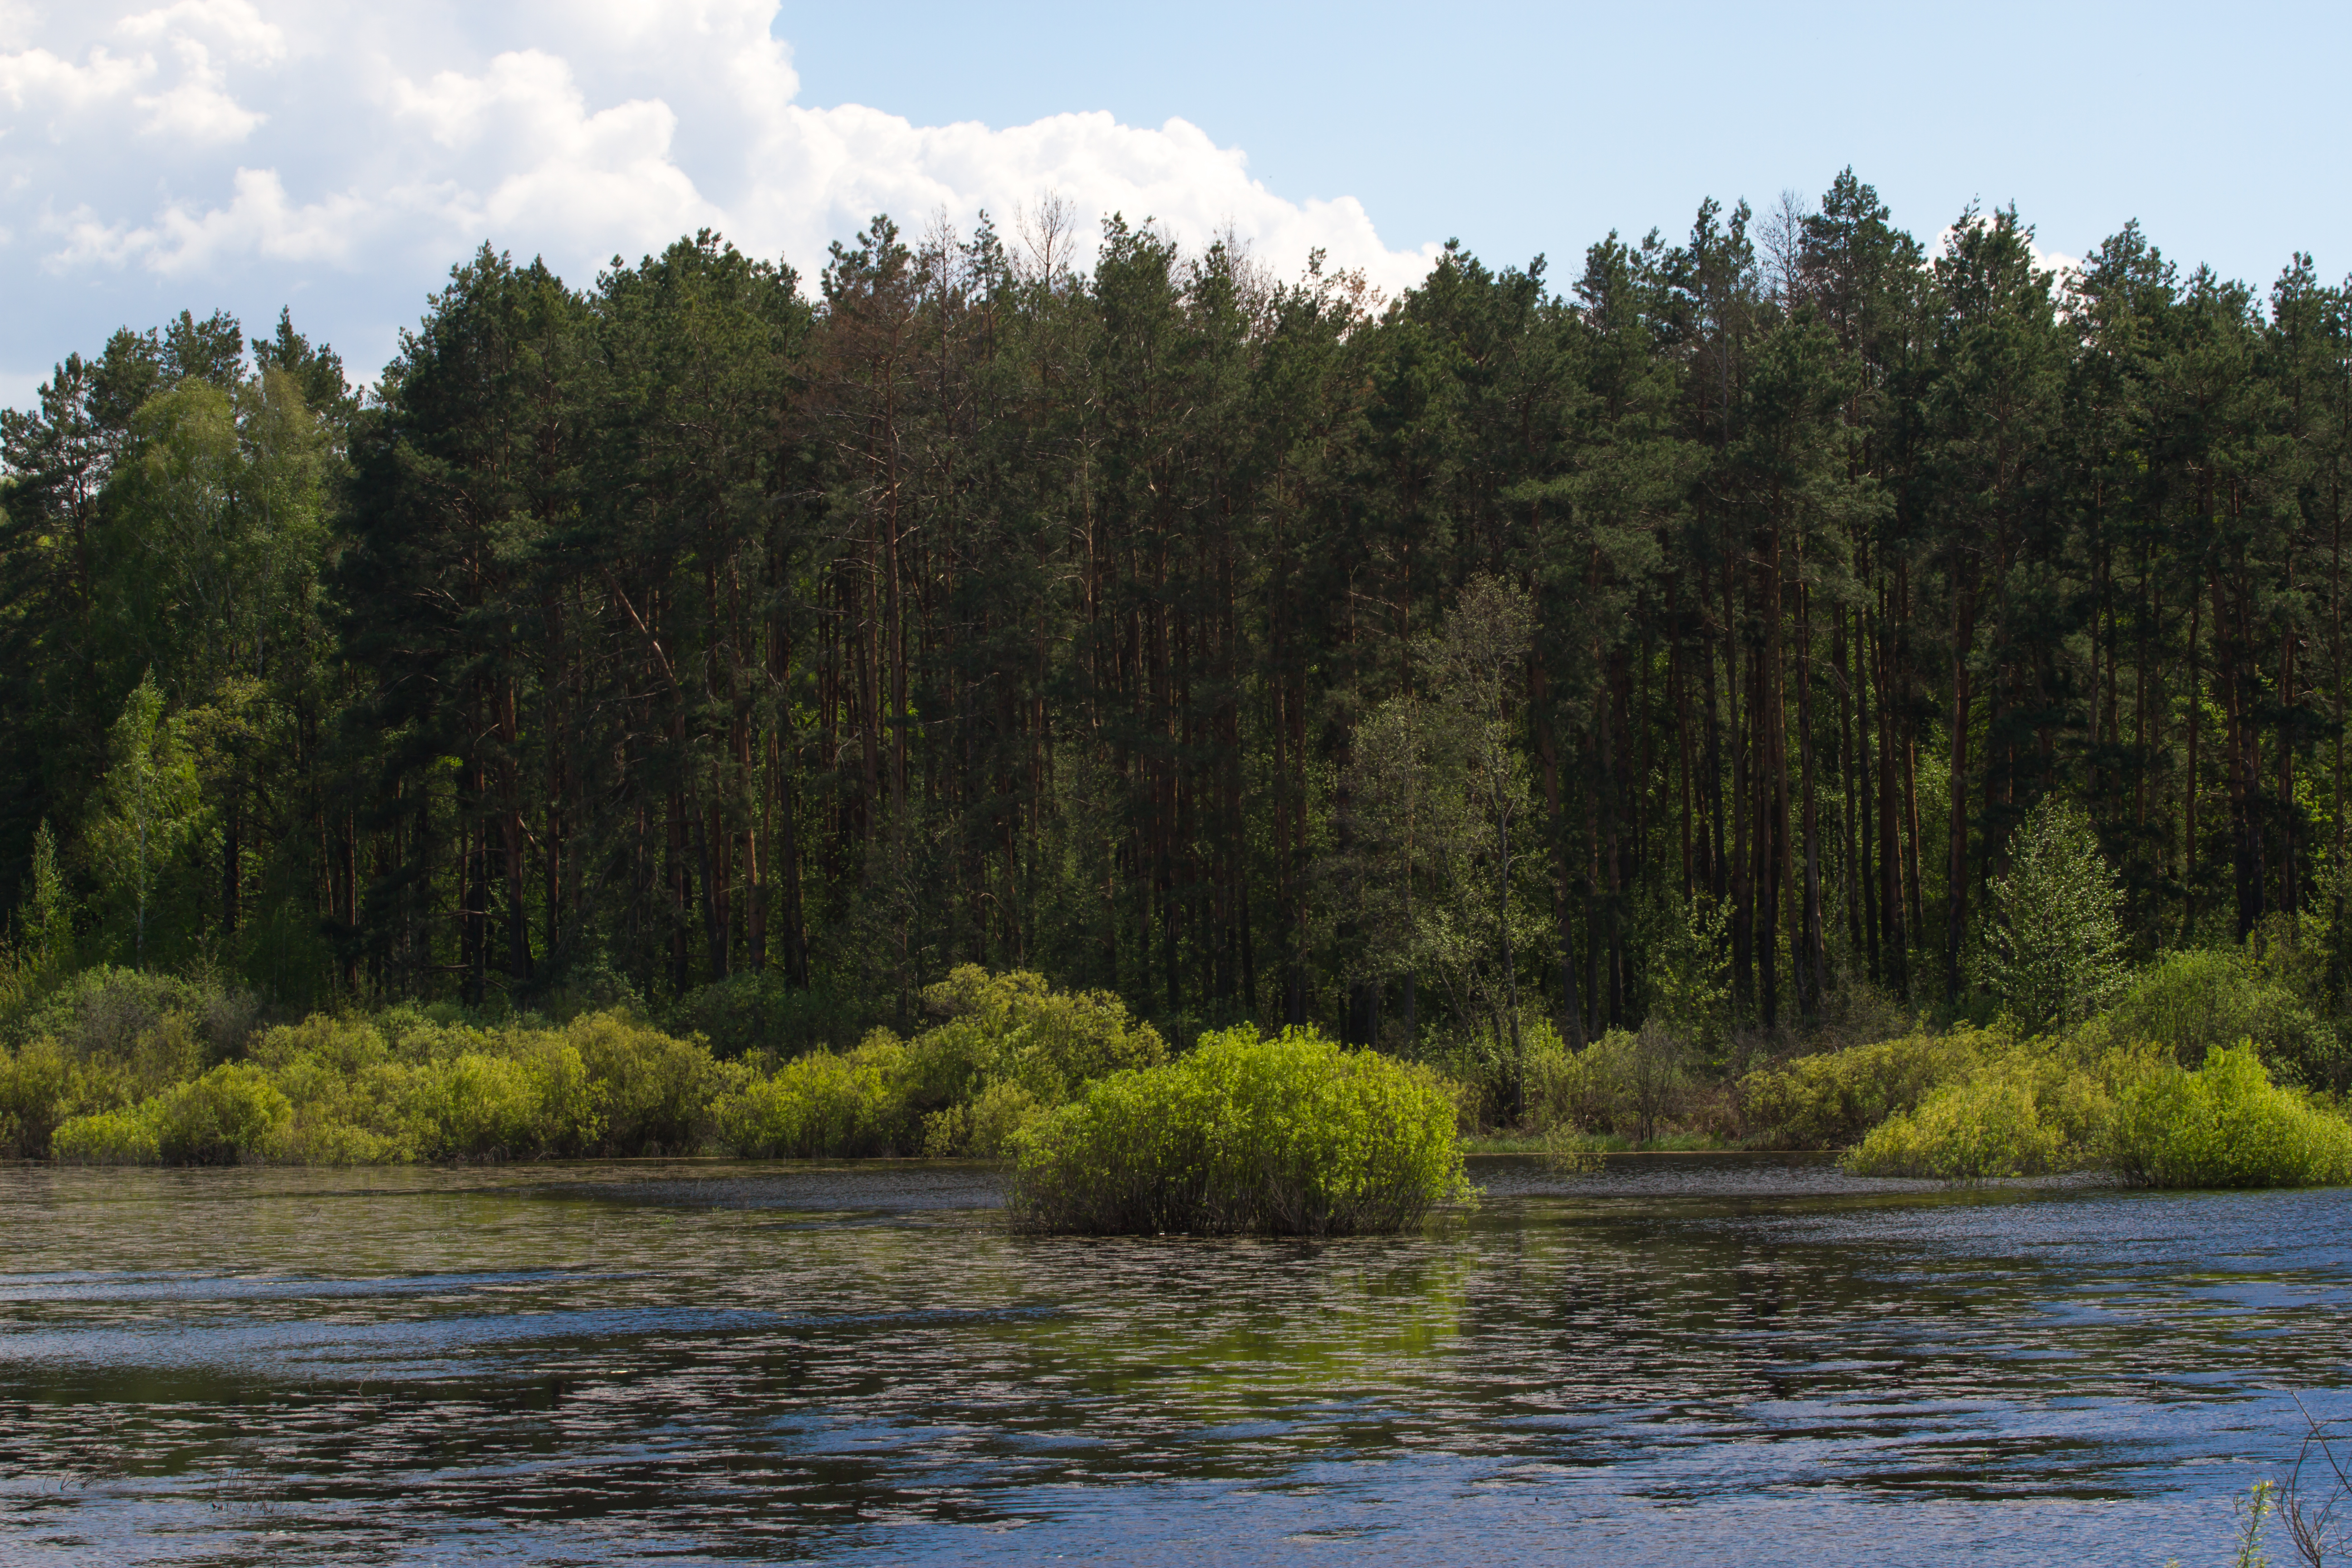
<point>1670,1360</point>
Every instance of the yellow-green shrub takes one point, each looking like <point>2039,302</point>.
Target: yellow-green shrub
<point>981,1129</point>
<point>1293,1135</point>
<point>108,1137</point>
<point>2195,1001</point>
<point>477,1106</point>
<point>2225,1125</point>
<point>1014,1027</point>
<point>1991,1124</point>
<point>822,1105</point>
<point>656,1091</point>
<point>1825,1101</point>
<point>40,1086</point>
<point>232,1113</point>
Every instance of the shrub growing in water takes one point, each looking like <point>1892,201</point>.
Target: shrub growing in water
<point>1288,1135</point>
<point>822,1105</point>
<point>230,1114</point>
<point>2020,1113</point>
<point>2225,1125</point>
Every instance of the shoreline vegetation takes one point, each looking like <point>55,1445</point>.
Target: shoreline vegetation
<point>1789,683</point>
<point>1103,1128</point>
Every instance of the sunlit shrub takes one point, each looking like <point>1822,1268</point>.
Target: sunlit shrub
<point>2224,1125</point>
<point>1292,1135</point>
<point>350,1101</point>
<point>981,1129</point>
<point>231,1114</point>
<point>435,1082</point>
<point>124,1137</point>
<point>1832,1098</point>
<point>478,1106</point>
<point>822,1105</point>
<point>39,1087</point>
<point>1014,1027</point>
<point>656,1091</point>
<point>1989,1125</point>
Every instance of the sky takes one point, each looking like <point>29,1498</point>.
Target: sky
<point>338,158</point>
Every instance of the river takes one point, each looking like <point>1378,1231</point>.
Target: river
<point>1669,1360</point>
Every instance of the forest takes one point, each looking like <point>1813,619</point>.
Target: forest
<point>1248,645</point>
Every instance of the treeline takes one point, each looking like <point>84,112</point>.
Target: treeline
<point>1252,648</point>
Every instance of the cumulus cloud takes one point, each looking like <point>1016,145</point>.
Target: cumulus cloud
<point>348,154</point>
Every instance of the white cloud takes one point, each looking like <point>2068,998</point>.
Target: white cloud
<point>356,151</point>
<point>197,108</point>
<point>35,79</point>
<point>233,22</point>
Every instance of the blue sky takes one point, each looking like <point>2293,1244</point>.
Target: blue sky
<point>339,157</point>
<point>1538,128</point>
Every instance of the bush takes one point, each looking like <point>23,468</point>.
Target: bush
<point>2019,1114</point>
<point>1290,1135</point>
<point>108,1137</point>
<point>232,1114</point>
<point>2196,1001</point>
<point>984,1129</point>
<point>134,1078</point>
<point>105,1013</point>
<point>656,1090</point>
<point>2225,1125</point>
<point>1015,1028</point>
<point>1832,1098</point>
<point>822,1105</point>
<point>39,1085</point>
<point>1624,1082</point>
<point>477,1106</point>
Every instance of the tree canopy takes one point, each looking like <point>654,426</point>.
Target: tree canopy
<point>1254,648</point>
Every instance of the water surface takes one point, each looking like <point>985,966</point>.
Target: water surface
<point>1669,1360</point>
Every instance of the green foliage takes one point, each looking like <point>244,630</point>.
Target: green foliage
<point>824,1105</point>
<point>2225,1125</point>
<point>1689,973</point>
<point>655,1091</point>
<point>2055,946</point>
<point>1628,1082</point>
<point>45,919</point>
<point>232,1114</point>
<point>40,1086</point>
<point>2195,1001</point>
<point>1015,1028</point>
<point>1291,1134</point>
<point>126,1137</point>
<point>146,824</point>
<point>750,1013</point>
<point>2020,1111</point>
<point>129,1066</point>
<point>1830,1099</point>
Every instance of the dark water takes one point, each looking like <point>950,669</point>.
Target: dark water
<point>1670,1360</point>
